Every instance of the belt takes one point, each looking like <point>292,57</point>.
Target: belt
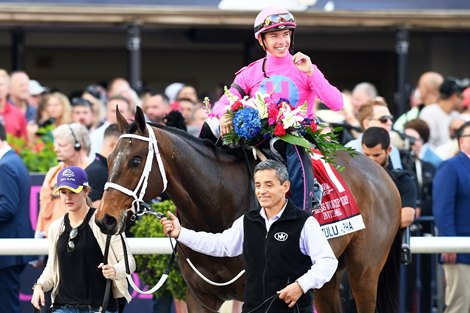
<point>83,307</point>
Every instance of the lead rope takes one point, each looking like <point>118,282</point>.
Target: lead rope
<point>107,291</point>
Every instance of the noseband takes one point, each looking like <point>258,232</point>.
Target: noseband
<point>138,206</point>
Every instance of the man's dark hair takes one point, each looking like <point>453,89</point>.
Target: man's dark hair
<point>451,86</point>
<point>421,128</point>
<point>3,133</point>
<point>281,169</point>
<point>374,136</point>
<point>112,131</point>
<point>461,129</point>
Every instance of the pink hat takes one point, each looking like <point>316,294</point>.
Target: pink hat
<point>466,97</point>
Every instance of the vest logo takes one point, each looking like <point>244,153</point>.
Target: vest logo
<point>281,236</point>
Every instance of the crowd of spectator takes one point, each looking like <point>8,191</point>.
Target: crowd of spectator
<point>82,126</point>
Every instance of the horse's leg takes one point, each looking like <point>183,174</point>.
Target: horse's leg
<point>363,272</point>
<point>202,303</point>
<point>327,298</point>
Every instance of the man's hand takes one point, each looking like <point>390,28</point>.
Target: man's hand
<point>291,294</point>
<point>171,227</point>
<point>407,216</point>
<point>303,63</point>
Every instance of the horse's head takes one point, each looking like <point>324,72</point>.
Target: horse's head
<point>128,179</point>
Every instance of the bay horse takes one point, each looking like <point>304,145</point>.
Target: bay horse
<point>211,187</point>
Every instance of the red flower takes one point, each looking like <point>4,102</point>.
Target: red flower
<point>272,115</point>
<point>314,126</point>
<point>279,130</point>
<point>237,105</point>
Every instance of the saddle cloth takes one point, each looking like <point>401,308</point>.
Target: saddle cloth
<point>338,213</point>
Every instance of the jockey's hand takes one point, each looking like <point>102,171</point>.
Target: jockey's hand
<point>171,227</point>
<point>303,63</point>
<point>291,294</point>
<point>225,124</point>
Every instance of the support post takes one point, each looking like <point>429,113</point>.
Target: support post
<point>401,48</point>
<point>134,61</point>
<point>17,49</point>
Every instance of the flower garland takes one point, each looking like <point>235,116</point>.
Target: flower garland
<point>260,118</point>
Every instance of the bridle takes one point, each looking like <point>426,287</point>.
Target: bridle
<point>138,206</point>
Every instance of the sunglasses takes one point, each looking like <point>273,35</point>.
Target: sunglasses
<point>384,119</point>
<point>276,19</point>
<point>81,102</point>
<point>70,244</point>
<point>94,90</point>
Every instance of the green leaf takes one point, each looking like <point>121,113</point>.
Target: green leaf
<point>298,141</point>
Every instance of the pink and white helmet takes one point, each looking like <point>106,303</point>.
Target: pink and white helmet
<point>272,19</point>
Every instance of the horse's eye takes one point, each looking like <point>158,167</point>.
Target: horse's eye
<point>135,161</point>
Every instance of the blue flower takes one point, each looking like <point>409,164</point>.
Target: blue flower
<point>246,123</point>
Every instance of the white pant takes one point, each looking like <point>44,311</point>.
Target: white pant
<point>457,295</point>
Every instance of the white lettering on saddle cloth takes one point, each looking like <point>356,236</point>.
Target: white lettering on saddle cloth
<point>338,213</point>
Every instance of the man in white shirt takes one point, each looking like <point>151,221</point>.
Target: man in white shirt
<point>285,251</point>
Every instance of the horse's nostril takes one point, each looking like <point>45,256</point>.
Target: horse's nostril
<point>108,224</point>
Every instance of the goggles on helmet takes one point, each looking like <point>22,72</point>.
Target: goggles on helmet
<point>275,19</point>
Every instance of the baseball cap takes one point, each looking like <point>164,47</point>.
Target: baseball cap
<point>72,178</point>
<point>35,88</point>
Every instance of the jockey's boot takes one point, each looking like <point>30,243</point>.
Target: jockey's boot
<point>317,194</point>
<point>299,166</point>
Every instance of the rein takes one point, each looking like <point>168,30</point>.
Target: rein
<point>140,207</point>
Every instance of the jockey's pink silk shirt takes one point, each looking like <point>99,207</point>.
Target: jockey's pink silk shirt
<point>285,81</point>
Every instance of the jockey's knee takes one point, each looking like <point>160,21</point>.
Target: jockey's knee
<point>210,129</point>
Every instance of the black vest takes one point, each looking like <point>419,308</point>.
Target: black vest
<point>274,260</point>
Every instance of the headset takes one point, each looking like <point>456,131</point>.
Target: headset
<point>76,146</point>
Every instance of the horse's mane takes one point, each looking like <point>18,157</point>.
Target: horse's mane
<point>194,142</point>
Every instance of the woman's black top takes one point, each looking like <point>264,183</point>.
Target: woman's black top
<point>81,281</point>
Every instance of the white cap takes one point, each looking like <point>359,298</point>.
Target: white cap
<point>35,88</point>
<point>171,91</point>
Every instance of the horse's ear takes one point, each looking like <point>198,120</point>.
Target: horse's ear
<point>140,119</point>
<point>121,121</point>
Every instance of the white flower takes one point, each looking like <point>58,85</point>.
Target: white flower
<point>261,105</point>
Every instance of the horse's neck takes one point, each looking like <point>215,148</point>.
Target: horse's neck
<point>209,190</point>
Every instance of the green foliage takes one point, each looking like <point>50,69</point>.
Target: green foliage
<point>327,143</point>
<point>151,267</point>
<point>39,156</point>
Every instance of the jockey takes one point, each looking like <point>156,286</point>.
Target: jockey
<point>282,74</point>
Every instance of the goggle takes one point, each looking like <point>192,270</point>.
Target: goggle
<point>275,19</point>
<point>70,243</point>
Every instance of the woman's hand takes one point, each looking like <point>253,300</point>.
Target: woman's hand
<point>303,63</point>
<point>225,124</point>
<point>109,272</point>
<point>38,299</point>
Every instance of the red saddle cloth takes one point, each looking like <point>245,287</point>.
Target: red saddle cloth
<point>338,213</point>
